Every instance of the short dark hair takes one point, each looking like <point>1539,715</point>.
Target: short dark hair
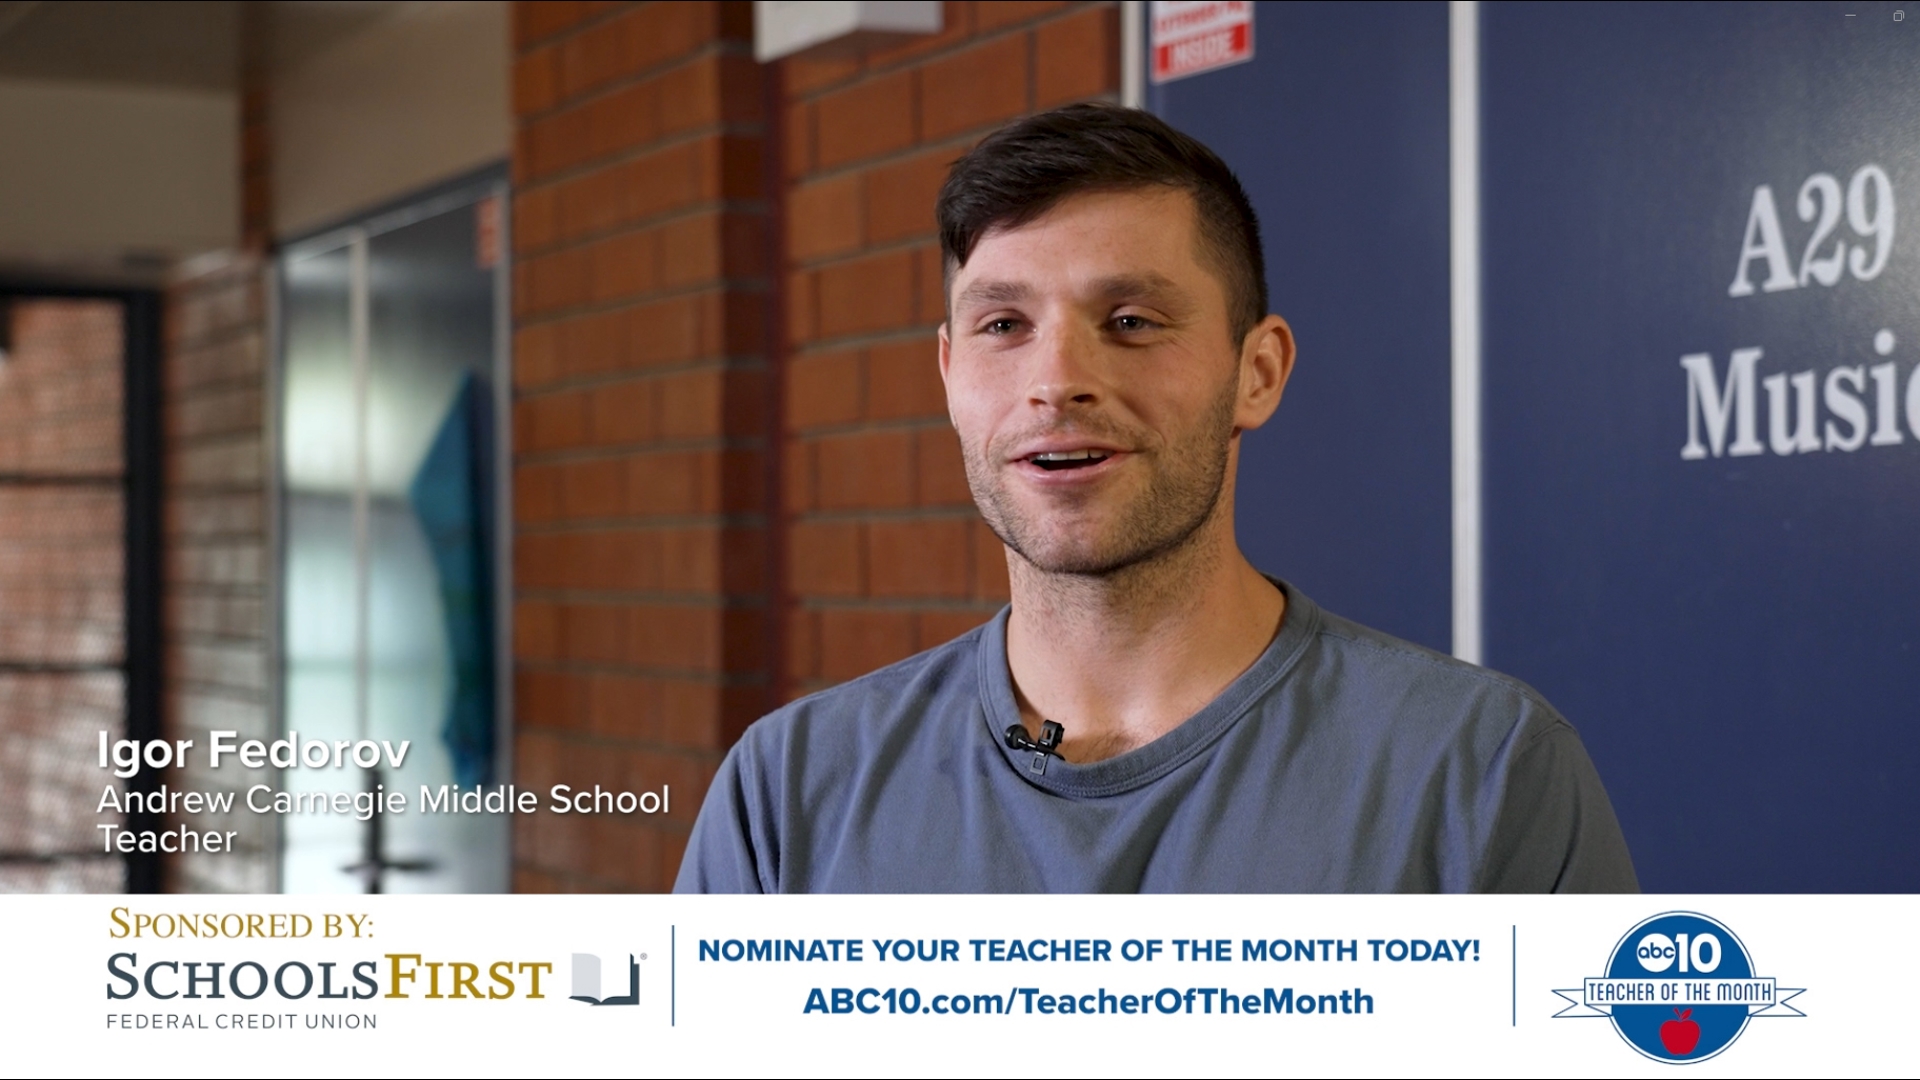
<point>1023,170</point>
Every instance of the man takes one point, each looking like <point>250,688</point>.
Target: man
<point>1150,713</point>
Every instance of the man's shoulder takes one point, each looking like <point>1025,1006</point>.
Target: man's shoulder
<point>1507,786</point>
<point>1421,688</point>
<point>1404,659</point>
<point>868,707</point>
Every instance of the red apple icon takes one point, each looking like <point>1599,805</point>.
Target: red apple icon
<point>1680,1035</point>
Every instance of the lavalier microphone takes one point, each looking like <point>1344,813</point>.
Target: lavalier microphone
<point>1048,746</point>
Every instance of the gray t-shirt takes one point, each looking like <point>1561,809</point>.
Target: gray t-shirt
<point>1343,760</point>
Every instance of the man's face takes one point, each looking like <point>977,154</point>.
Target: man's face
<point>1096,383</point>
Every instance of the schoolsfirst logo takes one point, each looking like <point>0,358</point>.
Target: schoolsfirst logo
<point>394,976</point>
<point>155,962</point>
<point>1679,987</point>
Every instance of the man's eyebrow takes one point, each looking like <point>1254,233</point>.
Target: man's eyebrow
<point>1119,286</point>
<point>1148,284</point>
<point>993,292</point>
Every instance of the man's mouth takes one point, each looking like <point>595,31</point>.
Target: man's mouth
<point>1058,460</point>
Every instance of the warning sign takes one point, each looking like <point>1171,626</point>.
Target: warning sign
<point>1189,38</point>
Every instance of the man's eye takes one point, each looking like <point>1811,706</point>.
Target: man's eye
<point>1003,326</point>
<point>1131,322</point>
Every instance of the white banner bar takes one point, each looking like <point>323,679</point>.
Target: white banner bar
<point>940,985</point>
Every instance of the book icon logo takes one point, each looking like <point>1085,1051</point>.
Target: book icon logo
<point>586,981</point>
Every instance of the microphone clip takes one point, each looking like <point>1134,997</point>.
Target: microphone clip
<point>1048,746</point>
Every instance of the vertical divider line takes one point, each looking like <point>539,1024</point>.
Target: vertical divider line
<point>273,422</point>
<point>503,538</point>
<point>359,334</point>
<point>1133,54</point>
<point>142,490</point>
<point>673,976</point>
<point>1513,994</point>
<point>1463,153</point>
<point>776,361</point>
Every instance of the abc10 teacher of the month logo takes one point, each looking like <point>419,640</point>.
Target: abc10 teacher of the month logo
<point>1680,987</point>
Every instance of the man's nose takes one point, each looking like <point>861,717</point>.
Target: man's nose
<point>1065,370</point>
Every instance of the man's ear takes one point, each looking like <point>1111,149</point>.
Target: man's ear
<point>1266,360</point>
<point>946,358</point>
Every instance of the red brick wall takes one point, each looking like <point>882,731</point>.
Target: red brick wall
<point>217,645</point>
<point>640,452</point>
<point>886,554</point>
<point>695,539</point>
<point>216,530</point>
<point>62,580</point>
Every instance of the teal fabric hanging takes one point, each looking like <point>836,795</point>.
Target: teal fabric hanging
<point>454,502</point>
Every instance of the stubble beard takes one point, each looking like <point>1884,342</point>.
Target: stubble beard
<point>1182,496</point>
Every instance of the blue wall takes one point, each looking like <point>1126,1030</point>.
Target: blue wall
<point>1339,130</point>
<point>1736,636</point>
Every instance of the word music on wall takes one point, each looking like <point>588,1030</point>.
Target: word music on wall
<point>1851,406</point>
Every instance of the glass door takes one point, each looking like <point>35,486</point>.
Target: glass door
<point>391,394</point>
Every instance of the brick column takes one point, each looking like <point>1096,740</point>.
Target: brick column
<point>664,566</point>
<point>640,415</point>
<point>215,512</point>
<point>886,554</point>
<point>215,509</point>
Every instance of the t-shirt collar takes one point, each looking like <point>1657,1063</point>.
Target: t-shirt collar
<point>1139,767</point>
